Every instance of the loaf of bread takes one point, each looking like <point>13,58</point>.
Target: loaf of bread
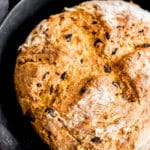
<point>84,77</point>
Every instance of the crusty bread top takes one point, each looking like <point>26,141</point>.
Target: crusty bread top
<point>84,76</point>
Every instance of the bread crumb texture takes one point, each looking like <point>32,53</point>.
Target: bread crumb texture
<point>84,77</point>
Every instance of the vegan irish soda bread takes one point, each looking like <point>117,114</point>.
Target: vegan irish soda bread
<point>84,77</point>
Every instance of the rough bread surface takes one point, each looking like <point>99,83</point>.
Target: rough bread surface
<point>84,77</point>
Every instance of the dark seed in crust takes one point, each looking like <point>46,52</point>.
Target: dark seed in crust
<point>97,41</point>
<point>146,45</point>
<point>52,89</point>
<point>50,111</point>
<point>83,90</point>
<point>107,35</point>
<point>68,37</point>
<point>64,76</point>
<point>116,84</point>
<point>114,51</point>
<point>107,68</point>
<point>96,139</point>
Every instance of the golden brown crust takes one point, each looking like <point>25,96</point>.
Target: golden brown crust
<point>84,76</point>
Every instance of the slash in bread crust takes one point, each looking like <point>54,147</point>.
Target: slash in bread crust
<point>84,76</point>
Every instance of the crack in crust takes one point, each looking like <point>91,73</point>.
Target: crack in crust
<point>84,76</point>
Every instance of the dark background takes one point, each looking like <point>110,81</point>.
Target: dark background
<point>12,3</point>
<point>143,3</point>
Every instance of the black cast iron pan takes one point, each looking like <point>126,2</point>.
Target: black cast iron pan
<point>15,131</point>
